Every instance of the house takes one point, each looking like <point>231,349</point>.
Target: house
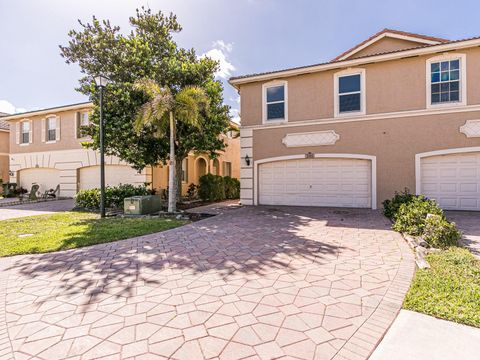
<point>398,110</point>
<point>46,149</point>
<point>4,149</point>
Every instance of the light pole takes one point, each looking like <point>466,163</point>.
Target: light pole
<point>101,82</point>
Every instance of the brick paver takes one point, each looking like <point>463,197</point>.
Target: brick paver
<point>258,283</point>
<point>469,224</point>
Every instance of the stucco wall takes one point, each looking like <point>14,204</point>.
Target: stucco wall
<point>391,86</point>
<point>4,157</point>
<point>68,133</point>
<point>394,142</point>
<point>385,45</point>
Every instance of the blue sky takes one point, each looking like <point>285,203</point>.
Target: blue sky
<point>248,36</point>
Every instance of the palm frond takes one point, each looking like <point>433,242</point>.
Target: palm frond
<point>191,101</point>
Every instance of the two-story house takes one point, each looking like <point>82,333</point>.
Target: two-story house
<point>398,110</point>
<point>46,149</point>
<point>4,149</point>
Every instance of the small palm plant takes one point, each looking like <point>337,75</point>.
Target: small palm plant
<point>164,110</point>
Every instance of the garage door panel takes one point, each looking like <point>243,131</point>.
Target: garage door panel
<point>45,178</point>
<point>316,182</point>
<point>89,177</point>
<point>453,180</point>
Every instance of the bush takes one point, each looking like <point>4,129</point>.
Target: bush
<point>192,191</point>
<point>232,187</point>
<point>410,217</point>
<point>211,188</point>
<point>440,233</point>
<point>390,207</point>
<point>114,196</point>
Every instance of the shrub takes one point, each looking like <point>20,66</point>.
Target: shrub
<point>114,196</point>
<point>232,187</point>
<point>439,232</point>
<point>192,191</point>
<point>410,217</point>
<point>390,207</point>
<point>211,188</point>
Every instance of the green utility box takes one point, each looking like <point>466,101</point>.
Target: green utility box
<point>142,205</point>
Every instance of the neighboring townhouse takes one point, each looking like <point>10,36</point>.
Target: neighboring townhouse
<point>46,149</point>
<point>4,149</point>
<point>398,110</point>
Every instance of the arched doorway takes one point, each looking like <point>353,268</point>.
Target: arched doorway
<point>201,167</point>
<point>216,167</point>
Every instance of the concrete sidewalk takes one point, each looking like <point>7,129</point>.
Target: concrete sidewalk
<point>422,337</point>
<point>31,209</point>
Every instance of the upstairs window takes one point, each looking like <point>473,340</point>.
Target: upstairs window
<point>275,102</point>
<point>51,129</point>
<point>82,121</point>
<point>445,77</point>
<point>446,83</point>
<point>25,132</point>
<point>350,92</point>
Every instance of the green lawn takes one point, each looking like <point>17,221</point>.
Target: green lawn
<point>72,230</point>
<point>450,289</point>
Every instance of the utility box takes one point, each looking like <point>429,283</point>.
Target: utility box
<point>142,205</point>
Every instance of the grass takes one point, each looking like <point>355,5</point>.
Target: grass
<point>450,289</point>
<point>68,230</point>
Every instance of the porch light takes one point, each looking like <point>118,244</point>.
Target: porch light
<point>247,160</point>
<point>101,81</point>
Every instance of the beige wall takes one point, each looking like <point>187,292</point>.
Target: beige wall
<point>68,135</point>
<point>391,86</point>
<point>231,154</point>
<point>394,142</point>
<point>386,44</point>
<point>4,157</point>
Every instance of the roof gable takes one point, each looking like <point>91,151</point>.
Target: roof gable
<point>388,40</point>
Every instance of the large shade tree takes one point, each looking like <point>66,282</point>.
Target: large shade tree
<point>147,51</point>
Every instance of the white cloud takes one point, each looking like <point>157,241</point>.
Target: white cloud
<point>235,115</point>
<point>9,108</point>
<point>220,52</point>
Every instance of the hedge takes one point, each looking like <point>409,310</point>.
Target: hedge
<point>114,196</point>
<point>217,188</point>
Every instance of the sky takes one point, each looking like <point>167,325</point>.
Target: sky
<point>245,36</point>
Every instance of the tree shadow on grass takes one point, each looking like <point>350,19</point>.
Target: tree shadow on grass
<point>239,244</point>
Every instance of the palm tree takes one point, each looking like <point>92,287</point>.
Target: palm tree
<point>164,110</point>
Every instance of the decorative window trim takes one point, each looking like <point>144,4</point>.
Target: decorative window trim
<point>463,80</point>
<point>30,132</point>
<point>264,101</point>
<point>471,128</point>
<point>363,91</point>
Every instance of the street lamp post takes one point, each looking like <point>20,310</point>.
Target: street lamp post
<point>101,82</point>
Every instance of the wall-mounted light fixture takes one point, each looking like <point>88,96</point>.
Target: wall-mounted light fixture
<point>247,160</point>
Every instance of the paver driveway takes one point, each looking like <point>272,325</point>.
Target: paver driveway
<point>40,208</point>
<point>252,283</point>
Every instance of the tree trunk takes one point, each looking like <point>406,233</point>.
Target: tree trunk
<point>178,169</point>
<point>172,198</point>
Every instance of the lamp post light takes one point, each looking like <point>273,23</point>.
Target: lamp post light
<point>101,82</point>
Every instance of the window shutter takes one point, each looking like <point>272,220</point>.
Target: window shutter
<point>57,130</point>
<point>77,124</point>
<point>17,132</point>
<point>30,133</point>
<point>44,130</point>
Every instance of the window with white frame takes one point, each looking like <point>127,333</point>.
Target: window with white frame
<point>51,128</point>
<point>25,132</point>
<point>445,81</point>
<point>83,121</point>
<point>275,107</point>
<point>185,170</point>
<point>349,93</point>
<point>227,168</point>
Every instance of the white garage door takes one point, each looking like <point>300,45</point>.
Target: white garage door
<point>89,177</point>
<point>46,178</point>
<point>452,180</point>
<point>316,182</point>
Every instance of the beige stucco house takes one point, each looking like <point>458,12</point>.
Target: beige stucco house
<point>4,149</point>
<point>398,110</point>
<point>46,149</point>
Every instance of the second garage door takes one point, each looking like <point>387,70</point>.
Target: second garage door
<point>453,180</point>
<point>316,182</point>
<point>89,177</point>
